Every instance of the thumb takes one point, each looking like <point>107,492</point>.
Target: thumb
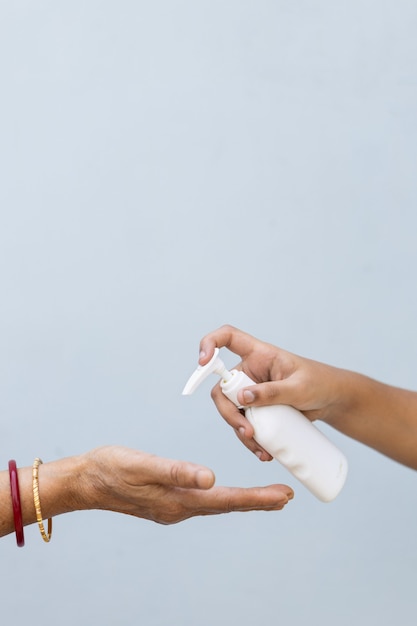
<point>264,394</point>
<point>186,475</point>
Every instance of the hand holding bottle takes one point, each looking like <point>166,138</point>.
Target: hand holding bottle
<point>281,377</point>
<point>379,415</point>
<point>282,431</point>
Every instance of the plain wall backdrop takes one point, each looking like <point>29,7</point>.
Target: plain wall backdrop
<point>168,167</point>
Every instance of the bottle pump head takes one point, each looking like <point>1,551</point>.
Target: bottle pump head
<point>214,366</point>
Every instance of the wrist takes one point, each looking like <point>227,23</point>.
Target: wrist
<point>91,481</point>
<point>357,397</point>
<point>62,485</point>
<point>345,396</point>
<point>77,472</point>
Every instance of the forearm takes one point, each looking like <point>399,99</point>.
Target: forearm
<point>60,490</point>
<point>379,415</point>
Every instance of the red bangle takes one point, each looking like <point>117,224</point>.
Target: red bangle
<point>17,509</point>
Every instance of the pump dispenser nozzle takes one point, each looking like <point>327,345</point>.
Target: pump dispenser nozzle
<point>214,366</point>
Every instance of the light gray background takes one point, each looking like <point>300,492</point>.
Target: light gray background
<point>167,167</point>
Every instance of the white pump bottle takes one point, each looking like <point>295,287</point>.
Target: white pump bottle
<point>285,433</point>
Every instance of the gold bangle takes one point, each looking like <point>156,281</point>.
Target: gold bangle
<point>36,500</point>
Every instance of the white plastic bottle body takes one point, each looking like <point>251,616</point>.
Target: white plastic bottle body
<point>294,441</point>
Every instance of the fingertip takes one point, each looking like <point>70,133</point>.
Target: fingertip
<point>246,396</point>
<point>205,479</point>
<point>263,455</point>
<point>206,351</point>
<point>289,493</point>
<point>284,494</point>
<point>202,357</point>
<point>244,434</point>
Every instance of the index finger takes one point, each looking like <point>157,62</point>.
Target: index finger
<point>228,499</point>
<point>226,336</point>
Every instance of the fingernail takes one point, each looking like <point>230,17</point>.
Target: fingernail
<point>259,454</point>
<point>202,355</point>
<point>242,431</point>
<point>248,396</point>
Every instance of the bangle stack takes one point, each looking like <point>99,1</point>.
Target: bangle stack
<point>17,508</point>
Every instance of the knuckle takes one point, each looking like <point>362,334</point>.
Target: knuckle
<point>175,474</point>
<point>228,328</point>
<point>228,331</point>
<point>228,505</point>
<point>216,394</point>
<point>271,392</point>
